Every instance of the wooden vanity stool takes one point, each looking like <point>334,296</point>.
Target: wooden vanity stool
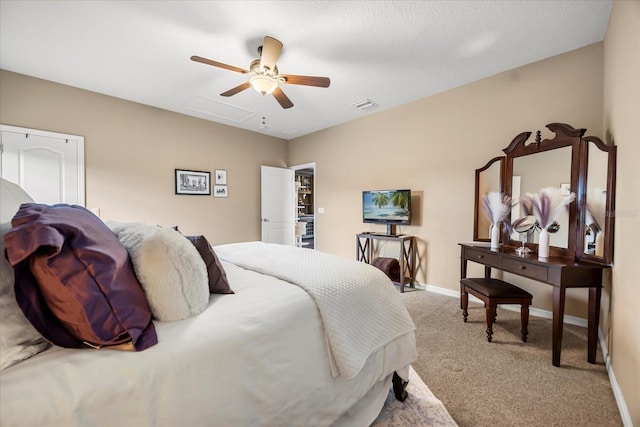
<point>493,292</point>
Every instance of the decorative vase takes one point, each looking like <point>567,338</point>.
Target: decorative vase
<point>495,236</point>
<point>543,244</point>
<point>599,244</point>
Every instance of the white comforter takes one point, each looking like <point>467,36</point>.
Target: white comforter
<point>256,358</point>
<point>359,306</point>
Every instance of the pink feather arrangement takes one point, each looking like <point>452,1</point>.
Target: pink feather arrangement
<point>548,204</point>
<point>496,207</point>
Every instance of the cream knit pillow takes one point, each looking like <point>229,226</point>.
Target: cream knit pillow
<point>170,270</point>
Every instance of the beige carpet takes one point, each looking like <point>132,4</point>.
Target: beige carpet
<point>507,382</point>
<point>420,408</point>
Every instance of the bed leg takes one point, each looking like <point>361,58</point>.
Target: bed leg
<point>399,387</point>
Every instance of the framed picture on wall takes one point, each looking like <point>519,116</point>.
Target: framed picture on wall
<point>195,183</point>
<point>220,191</point>
<point>221,177</point>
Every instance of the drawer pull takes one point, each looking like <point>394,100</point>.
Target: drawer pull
<point>480,256</point>
<point>523,267</point>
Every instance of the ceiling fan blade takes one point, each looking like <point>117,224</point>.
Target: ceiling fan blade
<point>282,99</point>
<point>306,80</point>
<point>271,49</point>
<point>218,64</point>
<point>236,89</point>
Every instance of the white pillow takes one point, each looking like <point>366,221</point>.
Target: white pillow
<point>169,268</point>
<point>19,340</point>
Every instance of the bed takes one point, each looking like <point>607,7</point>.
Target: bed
<point>280,350</point>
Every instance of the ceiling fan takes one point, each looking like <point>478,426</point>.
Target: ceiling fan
<point>264,76</point>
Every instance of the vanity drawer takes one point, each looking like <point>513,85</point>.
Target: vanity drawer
<point>526,269</point>
<point>483,257</point>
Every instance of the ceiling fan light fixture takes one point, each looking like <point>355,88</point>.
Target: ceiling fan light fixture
<point>263,83</point>
<point>263,74</point>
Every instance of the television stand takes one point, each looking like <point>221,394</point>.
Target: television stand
<point>391,232</point>
<point>373,233</point>
<point>406,258</point>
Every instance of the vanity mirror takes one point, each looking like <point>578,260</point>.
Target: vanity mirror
<point>488,180</point>
<point>570,161</point>
<point>524,226</point>
<point>547,163</point>
<point>529,177</point>
<point>595,239</point>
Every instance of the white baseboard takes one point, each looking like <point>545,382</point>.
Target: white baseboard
<point>617,393</point>
<point>572,320</point>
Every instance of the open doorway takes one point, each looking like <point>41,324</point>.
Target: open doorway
<point>304,178</point>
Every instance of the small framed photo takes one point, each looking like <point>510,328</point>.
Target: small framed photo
<point>220,191</point>
<point>221,177</point>
<point>196,183</point>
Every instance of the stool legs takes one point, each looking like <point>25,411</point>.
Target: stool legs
<point>464,302</point>
<point>490,310</point>
<point>493,292</point>
<point>524,319</point>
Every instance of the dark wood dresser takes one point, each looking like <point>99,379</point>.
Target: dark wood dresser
<point>558,272</point>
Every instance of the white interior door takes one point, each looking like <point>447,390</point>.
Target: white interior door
<point>277,199</point>
<point>48,166</point>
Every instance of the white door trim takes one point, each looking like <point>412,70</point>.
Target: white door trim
<point>311,165</point>
<point>80,150</point>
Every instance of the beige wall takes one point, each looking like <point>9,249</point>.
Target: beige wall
<point>434,145</point>
<point>131,151</point>
<point>621,114</point>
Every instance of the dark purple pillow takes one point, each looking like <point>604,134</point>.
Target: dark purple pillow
<point>218,283</point>
<point>74,280</point>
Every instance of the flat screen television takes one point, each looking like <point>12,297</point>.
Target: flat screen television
<point>390,207</point>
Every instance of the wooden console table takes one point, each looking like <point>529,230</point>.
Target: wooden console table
<point>559,272</point>
<point>406,258</point>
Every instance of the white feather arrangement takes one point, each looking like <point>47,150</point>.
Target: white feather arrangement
<point>596,206</point>
<point>548,204</point>
<point>496,207</point>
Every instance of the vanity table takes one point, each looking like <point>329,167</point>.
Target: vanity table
<point>557,272</point>
<point>582,246</point>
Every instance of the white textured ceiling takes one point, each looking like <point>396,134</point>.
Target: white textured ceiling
<point>391,52</point>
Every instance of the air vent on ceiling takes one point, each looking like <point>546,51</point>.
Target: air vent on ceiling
<point>219,110</point>
<point>365,105</point>
<point>288,131</point>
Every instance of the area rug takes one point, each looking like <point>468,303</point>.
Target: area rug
<point>421,408</point>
